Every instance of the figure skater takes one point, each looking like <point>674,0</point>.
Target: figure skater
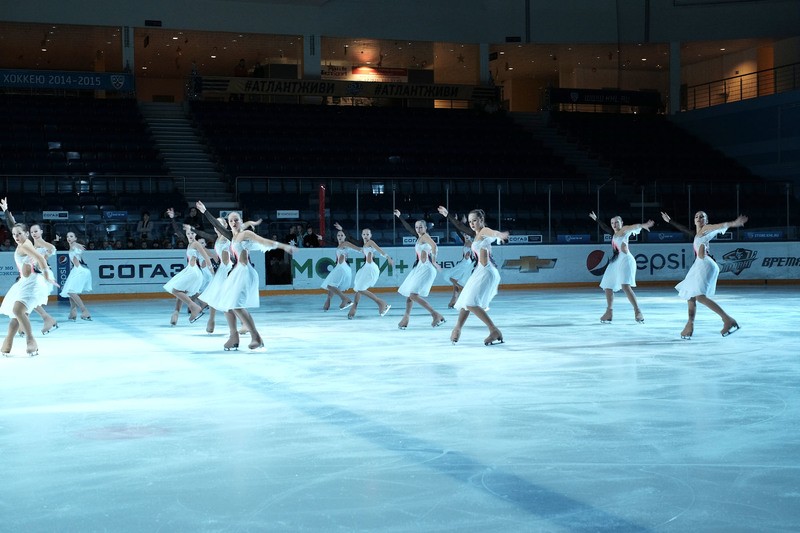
<point>26,294</point>
<point>240,290</point>
<point>459,274</point>
<point>188,282</point>
<point>224,263</point>
<point>481,287</point>
<point>621,269</point>
<point>367,276</point>
<point>78,281</point>
<point>700,283</point>
<point>340,278</point>
<point>207,268</point>
<point>46,249</point>
<point>419,280</point>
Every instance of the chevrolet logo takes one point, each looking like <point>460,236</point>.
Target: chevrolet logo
<point>529,263</point>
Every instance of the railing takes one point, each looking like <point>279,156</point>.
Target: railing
<point>546,210</point>
<point>113,185</point>
<point>97,207</point>
<point>745,86</point>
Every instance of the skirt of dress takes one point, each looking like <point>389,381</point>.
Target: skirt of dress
<point>460,272</point>
<point>480,289</point>
<point>366,277</point>
<point>340,277</point>
<point>207,277</point>
<point>188,280</point>
<point>419,280</point>
<point>700,280</point>
<point>78,281</point>
<point>619,272</point>
<point>240,290</point>
<point>45,286</point>
<point>212,293</point>
<point>26,290</point>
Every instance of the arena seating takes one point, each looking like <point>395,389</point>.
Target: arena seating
<point>83,155</point>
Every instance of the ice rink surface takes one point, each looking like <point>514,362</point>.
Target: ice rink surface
<point>127,424</point>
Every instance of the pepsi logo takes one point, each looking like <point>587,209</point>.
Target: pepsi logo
<point>595,264</point>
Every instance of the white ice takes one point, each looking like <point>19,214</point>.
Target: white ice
<point>127,424</point>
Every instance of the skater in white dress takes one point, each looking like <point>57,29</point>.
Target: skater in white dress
<point>78,281</point>
<point>189,281</point>
<point>419,280</point>
<point>481,287</point>
<point>240,290</point>
<point>26,294</point>
<point>621,269</point>
<point>459,274</point>
<point>224,261</point>
<point>340,278</point>
<point>47,250</point>
<point>211,294</point>
<point>700,283</point>
<point>367,276</point>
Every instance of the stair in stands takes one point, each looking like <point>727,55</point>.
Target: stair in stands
<point>185,154</point>
<point>572,154</point>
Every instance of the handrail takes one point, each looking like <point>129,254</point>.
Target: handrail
<point>742,87</point>
<point>85,183</point>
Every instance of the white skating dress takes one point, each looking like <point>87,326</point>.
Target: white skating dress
<point>208,275</point>
<point>342,275</point>
<point>367,276</point>
<point>45,286</point>
<point>211,294</point>
<point>422,276</point>
<point>240,290</point>
<point>622,270</point>
<point>702,276</point>
<point>481,287</point>
<point>26,289</point>
<point>461,271</point>
<point>79,279</point>
<point>188,280</point>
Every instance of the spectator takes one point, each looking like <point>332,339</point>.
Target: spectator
<point>240,71</point>
<point>259,71</point>
<point>195,220</point>
<point>144,229</point>
<point>292,238</point>
<point>311,239</point>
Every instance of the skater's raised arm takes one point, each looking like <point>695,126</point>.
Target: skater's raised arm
<point>405,223</point>
<point>603,226</point>
<point>680,227</point>
<point>736,223</point>
<point>460,226</point>
<point>225,232</point>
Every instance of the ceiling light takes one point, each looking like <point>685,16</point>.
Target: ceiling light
<point>721,49</point>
